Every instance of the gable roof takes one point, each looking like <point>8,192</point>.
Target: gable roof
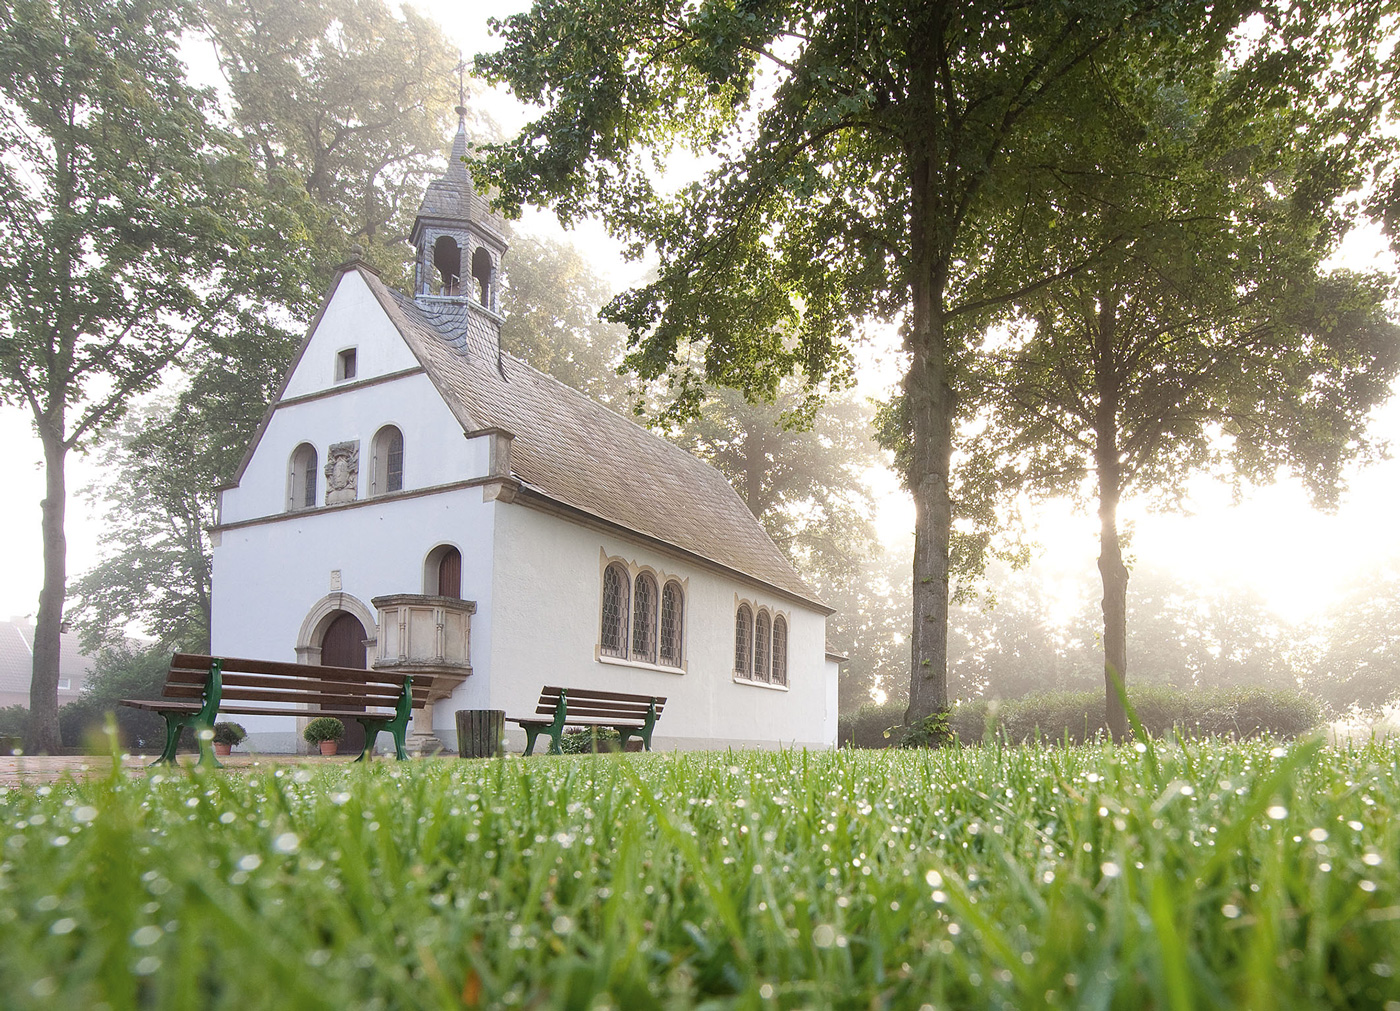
<point>17,658</point>
<point>576,452</point>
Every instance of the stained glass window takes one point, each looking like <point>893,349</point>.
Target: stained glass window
<point>672,618</point>
<point>780,644</point>
<point>760,647</point>
<point>743,642</point>
<point>613,636</point>
<point>644,619</point>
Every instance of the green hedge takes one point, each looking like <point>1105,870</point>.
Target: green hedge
<point>1212,712</point>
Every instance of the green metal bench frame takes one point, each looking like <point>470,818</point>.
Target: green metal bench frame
<point>555,729</point>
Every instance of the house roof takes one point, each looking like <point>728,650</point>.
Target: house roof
<point>17,658</point>
<point>577,452</point>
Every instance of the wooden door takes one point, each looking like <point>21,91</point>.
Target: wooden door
<point>343,645</point>
<point>450,574</point>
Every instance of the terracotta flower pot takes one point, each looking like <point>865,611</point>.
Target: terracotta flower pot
<point>222,750</point>
<point>328,747</point>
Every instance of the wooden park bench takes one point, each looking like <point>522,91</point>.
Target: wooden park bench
<point>199,688</point>
<point>580,707</point>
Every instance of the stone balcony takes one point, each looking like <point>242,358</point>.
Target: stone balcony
<point>425,635</point>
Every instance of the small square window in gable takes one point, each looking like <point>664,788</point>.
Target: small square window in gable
<point>345,365</point>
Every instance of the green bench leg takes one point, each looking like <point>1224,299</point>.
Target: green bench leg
<point>176,722</point>
<point>531,733</point>
<point>372,729</point>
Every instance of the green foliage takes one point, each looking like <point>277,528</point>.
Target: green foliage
<point>551,319</point>
<point>229,733</point>
<point>120,672</point>
<point>345,105</point>
<point>932,731</point>
<point>583,742</point>
<point>1053,716</point>
<point>717,880</point>
<point>323,728</point>
<point>13,720</point>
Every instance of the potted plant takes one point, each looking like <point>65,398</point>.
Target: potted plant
<point>325,731</point>
<point>226,735</point>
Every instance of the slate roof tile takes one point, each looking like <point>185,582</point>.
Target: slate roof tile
<point>581,453</point>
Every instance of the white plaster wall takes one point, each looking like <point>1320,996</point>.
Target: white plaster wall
<point>434,448</point>
<point>268,576</point>
<point>353,319</point>
<point>545,601</point>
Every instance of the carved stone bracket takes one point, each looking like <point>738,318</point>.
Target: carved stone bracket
<point>420,634</point>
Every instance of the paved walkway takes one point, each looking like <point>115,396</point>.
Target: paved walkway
<point>17,770</point>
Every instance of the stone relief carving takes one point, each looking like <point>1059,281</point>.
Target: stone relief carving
<point>342,472</point>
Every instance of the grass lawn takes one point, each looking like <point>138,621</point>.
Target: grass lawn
<point>1198,876</point>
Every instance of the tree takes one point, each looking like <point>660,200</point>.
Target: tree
<point>808,482</point>
<point>126,231</point>
<point>551,304</point>
<point>1209,338</point>
<point>344,106</point>
<point>886,161</point>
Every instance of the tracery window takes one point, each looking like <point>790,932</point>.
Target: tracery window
<point>743,642</point>
<point>613,636</point>
<point>672,618</point>
<point>639,621</point>
<point>301,478</point>
<point>780,643</point>
<point>760,646</point>
<point>644,619</point>
<point>761,638</point>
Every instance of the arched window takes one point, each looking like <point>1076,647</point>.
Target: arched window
<point>672,621</point>
<point>761,636</point>
<point>644,619</point>
<point>447,258</point>
<point>301,478</point>
<point>386,468</point>
<point>482,272</point>
<point>743,642</point>
<point>780,651</point>
<point>616,591</point>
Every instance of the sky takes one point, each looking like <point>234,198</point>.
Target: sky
<point>1272,541</point>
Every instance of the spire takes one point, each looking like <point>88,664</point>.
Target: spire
<point>458,237</point>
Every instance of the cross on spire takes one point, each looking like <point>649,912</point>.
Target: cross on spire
<point>461,71</point>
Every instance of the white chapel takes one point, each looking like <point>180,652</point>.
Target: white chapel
<point>415,497</point>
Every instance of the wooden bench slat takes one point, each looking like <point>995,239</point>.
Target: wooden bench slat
<point>248,681</point>
<point>299,671</point>
<point>600,711</point>
<point>241,665</point>
<point>194,707</point>
<point>245,695</point>
<point>587,693</point>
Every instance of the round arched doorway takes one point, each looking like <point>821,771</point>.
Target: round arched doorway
<point>343,645</point>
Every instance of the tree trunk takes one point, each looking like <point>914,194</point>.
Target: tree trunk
<point>43,734</point>
<point>930,399</point>
<point>1112,571</point>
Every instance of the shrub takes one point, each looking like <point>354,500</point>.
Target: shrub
<point>865,727</point>
<point>323,728</point>
<point>581,742</point>
<point>1053,716</point>
<point>232,733</point>
<point>120,673</point>
<point>13,720</point>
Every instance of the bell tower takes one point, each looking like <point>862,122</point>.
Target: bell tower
<point>459,239</point>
